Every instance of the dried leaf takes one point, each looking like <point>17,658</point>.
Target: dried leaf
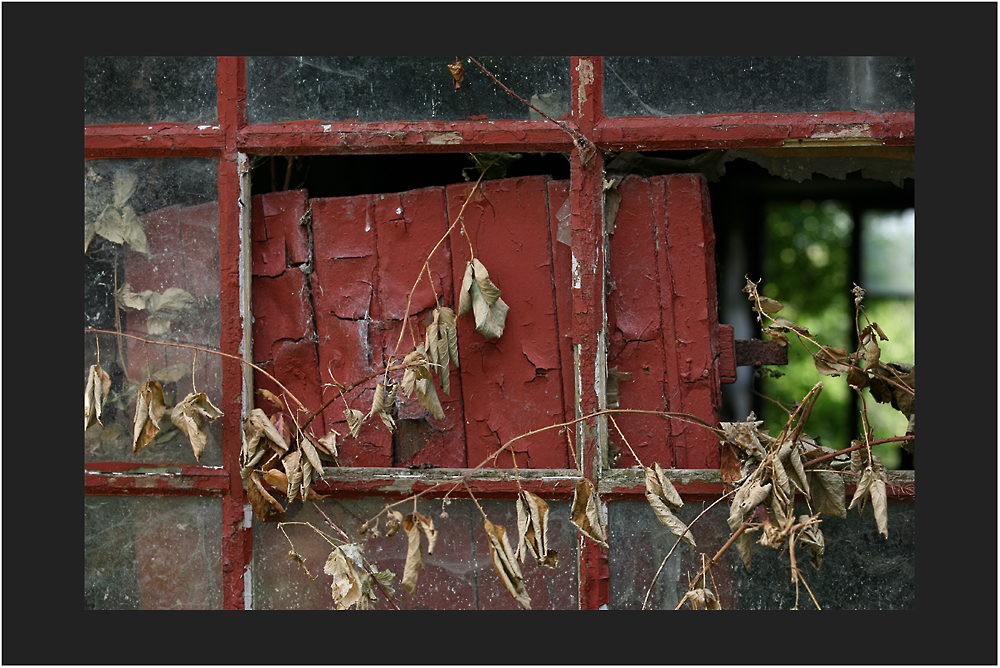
<point>828,361</point>
<point>878,497</point>
<point>533,530</point>
<point>457,70</point>
<point>585,514</point>
<point>428,398</point>
<point>272,397</point>
<point>172,373</point>
<point>828,493</point>
<point>662,497</point>
<point>188,415</point>
<point>265,506</point>
<point>505,564</point>
<point>767,305</point>
<point>279,480</point>
<point>125,183</point>
<point>346,585</point>
<point>785,323</point>
<point>149,410</point>
<point>329,442</point>
<point>796,472</point>
<point>490,311</point>
<point>426,525</point>
<point>132,231</point>
<point>701,597</point>
<point>464,295</point>
<point>306,445</point>
<point>292,463</point>
<point>751,494</point>
<point>812,537</point>
<point>393,520</point>
<point>256,426</point>
<point>98,386</point>
<point>414,557</point>
<point>449,326</point>
<point>355,419</point>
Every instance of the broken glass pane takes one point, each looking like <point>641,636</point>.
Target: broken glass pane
<point>458,575</point>
<point>151,270</point>
<point>686,85</point>
<point>402,88</point>
<point>149,89</point>
<point>860,570</point>
<point>152,553</point>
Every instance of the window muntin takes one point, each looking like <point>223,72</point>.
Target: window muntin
<point>401,88</point>
<point>694,85</point>
<point>149,89</point>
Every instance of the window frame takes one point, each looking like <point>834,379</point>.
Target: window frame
<point>231,140</point>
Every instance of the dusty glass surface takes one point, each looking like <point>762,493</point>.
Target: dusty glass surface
<point>861,570</point>
<point>458,575</point>
<point>685,85</point>
<point>151,269</point>
<point>402,88</point>
<point>149,89</point>
<point>152,553</point>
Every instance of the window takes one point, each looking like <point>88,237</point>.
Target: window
<point>282,215</point>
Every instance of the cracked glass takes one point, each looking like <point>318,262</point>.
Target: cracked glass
<point>151,270</point>
<point>402,88</point>
<point>458,575</point>
<point>149,89</point>
<point>695,85</point>
<point>152,553</point>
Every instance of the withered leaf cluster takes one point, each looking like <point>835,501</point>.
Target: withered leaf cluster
<point>162,308</point>
<point>116,220</point>
<point>772,471</point>
<point>483,297</point>
<point>149,410</point>
<point>417,379</point>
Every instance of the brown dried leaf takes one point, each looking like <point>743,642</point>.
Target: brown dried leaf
<point>188,415</point>
<point>828,361</point>
<point>747,497</point>
<point>346,585</point>
<point>797,472</point>
<point>273,398</point>
<point>812,537</point>
<point>329,442</point>
<point>585,514</point>
<point>308,447</point>
<point>457,70</point>
<point>355,419</point>
<point>878,497</point>
<point>98,386</point>
<point>787,324</point>
<point>465,296</point>
<point>449,326</point>
<point>701,597</point>
<point>428,398</point>
<point>256,426</point>
<point>662,497</point>
<point>533,530</point>
<point>149,410</point>
<point>292,463</point>
<point>767,305</point>
<point>490,311</point>
<point>828,493</point>
<point>392,522</point>
<point>414,557</point>
<point>505,564</point>
<point>265,506</point>
<point>426,525</point>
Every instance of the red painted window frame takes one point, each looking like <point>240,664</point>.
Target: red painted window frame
<point>233,136</point>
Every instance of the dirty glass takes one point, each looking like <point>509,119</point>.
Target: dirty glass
<point>152,553</point>
<point>151,270</point>
<point>686,85</point>
<point>458,575</point>
<point>887,253</point>
<point>860,570</point>
<point>149,89</point>
<point>402,88</point>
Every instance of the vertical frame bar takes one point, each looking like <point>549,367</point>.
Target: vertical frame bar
<point>589,318</point>
<point>236,534</point>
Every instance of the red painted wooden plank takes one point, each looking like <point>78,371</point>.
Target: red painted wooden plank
<point>688,298</point>
<point>635,332</point>
<point>562,280</point>
<point>158,139</point>
<point>508,225</point>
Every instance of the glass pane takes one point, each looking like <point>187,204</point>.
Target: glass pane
<point>400,88</point>
<point>685,85</point>
<point>152,553</point>
<point>861,570</point>
<point>458,575</point>
<point>887,253</point>
<point>149,89</point>
<point>151,269</point>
